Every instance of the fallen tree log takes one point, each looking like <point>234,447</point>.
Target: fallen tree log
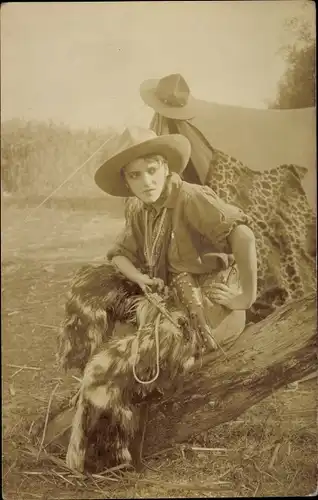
<point>267,356</point>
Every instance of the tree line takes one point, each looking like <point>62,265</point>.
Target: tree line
<point>297,87</point>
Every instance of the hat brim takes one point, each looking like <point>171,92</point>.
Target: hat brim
<point>147,92</point>
<point>175,148</point>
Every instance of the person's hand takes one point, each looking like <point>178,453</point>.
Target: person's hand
<point>155,284</point>
<point>229,297</point>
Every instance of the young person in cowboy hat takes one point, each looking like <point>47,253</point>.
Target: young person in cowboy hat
<point>183,235</point>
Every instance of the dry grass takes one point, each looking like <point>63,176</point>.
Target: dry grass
<point>236,459</point>
<point>36,157</point>
<point>271,450</point>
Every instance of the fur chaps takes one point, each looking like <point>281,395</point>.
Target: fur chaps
<point>109,387</point>
<point>110,391</point>
<point>99,297</point>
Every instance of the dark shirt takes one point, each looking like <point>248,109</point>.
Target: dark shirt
<point>198,224</point>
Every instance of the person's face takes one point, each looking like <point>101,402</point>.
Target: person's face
<point>146,178</point>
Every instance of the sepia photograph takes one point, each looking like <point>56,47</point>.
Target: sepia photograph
<point>158,249</point>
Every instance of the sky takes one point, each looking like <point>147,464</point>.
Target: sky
<point>82,63</point>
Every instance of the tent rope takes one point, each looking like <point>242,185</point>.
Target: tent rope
<point>70,176</point>
<point>28,218</point>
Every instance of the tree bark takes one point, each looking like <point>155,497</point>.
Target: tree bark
<point>267,356</point>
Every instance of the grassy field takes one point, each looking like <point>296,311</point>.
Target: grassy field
<point>36,157</point>
<point>270,450</point>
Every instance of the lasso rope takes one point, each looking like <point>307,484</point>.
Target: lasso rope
<point>135,348</point>
<point>149,251</point>
<point>163,312</point>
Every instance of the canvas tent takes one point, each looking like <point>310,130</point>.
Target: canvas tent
<point>259,138</point>
<point>265,162</point>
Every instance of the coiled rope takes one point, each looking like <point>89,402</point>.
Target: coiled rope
<point>135,349</point>
<point>162,312</point>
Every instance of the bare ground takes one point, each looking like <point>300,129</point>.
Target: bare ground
<point>269,451</point>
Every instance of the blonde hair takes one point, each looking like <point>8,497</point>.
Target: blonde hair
<point>161,160</point>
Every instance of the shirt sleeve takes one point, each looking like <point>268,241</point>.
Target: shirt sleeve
<point>125,245</point>
<point>212,217</point>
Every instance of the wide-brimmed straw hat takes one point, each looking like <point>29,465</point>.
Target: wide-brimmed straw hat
<point>136,143</point>
<point>169,96</point>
